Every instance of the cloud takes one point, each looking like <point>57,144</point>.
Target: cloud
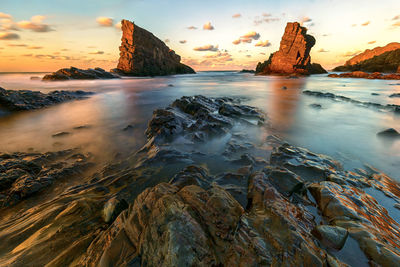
<point>5,16</point>
<point>236,42</point>
<point>208,26</point>
<point>35,24</point>
<point>366,23</point>
<point>192,28</point>
<point>371,42</point>
<point>266,18</point>
<point>305,20</point>
<point>183,41</point>
<point>236,16</point>
<point>323,50</point>
<point>118,25</point>
<point>35,47</point>
<point>266,14</point>
<point>397,24</point>
<point>206,48</point>
<point>396,17</point>
<point>353,25</point>
<point>220,56</point>
<point>166,41</point>
<point>17,45</point>
<point>105,22</point>
<point>351,54</point>
<point>8,36</point>
<point>248,55</point>
<point>96,53</point>
<point>266,43</point>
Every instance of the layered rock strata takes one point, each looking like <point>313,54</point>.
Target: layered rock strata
<point>293,56</point>
<point>143,54</point>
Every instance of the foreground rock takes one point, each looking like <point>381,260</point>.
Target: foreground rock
<point>392,133</point>
<point>24,174</point>
<point>14,100</point>
<point>379,59</point>
<point>183,201</point>
<point>143,54</point>
<point>293,56</point>
<point>365,75</point>
<point>78,74</point>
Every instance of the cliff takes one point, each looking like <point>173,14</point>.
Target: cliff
<point>293,56</point>
<point>370,53</point>
<point>386,62</point>
<point>143,54</point>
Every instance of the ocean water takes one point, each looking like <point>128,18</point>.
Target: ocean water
<point>342,130</point>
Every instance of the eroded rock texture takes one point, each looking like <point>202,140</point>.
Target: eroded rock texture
<point>182,201</point>
<point>78,74</point>
<point>143,54</point>
<point>14,100</point>
<point>293,56</point>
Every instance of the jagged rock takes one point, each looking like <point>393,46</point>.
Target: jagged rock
<point>14,100</point>
<point>395,95</point>
<point>293,56</point>
<point>78,74</point>
<point>143,54</point>
<point>332,236</point>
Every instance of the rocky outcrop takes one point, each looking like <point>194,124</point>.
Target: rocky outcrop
<point>388,107</point>
<point>14,100</point>
<point>370,53</point>
<point>293,56</point>
<point>203,192</point>
<point>374,61</point>
<point>143,54</point>
<point>78,74</point>
<point>24,174</point>
<point>365,75</point>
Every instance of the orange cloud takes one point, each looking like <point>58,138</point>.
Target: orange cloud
<point>118,26</point>
<point>252,35</point>
<point>183,41</point>
<point>8,36</point>
<point>5,16</point>
<point>96,53</point>
<point>105,22</point>
<point>236,42</point>
<point>236,16</point>
<point>266,43</point>
<point>206,48</point>
<point>35,24</point>
<point>208,26</point>
<point>323,50</point>
<point>371,42</point>
<point>397,24</point>
<point>192,28</point>
<point>366,23</point>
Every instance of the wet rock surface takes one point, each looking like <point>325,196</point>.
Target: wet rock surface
<point>293,56</point>
<point>14,100</point>
<point>143,54</point>
<point>366,75</point>
<point>183,201</point>
<point>24,174</point>
<point>73,73</point>
<point>389,107</point>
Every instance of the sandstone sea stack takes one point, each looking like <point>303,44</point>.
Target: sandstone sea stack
<point>143,54</point>
<point>293,56</point>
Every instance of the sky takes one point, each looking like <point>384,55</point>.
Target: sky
<point>46,35</point>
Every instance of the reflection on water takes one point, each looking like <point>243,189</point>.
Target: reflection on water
<point>342,130</point>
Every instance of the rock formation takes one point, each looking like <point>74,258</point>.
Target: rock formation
<point>379,60</point>
<point>14,100</point>
<point>293,56</point>
<point>365,75</point>
<point>250,202</point>
<point>370,53</point>
<point>143,54</point>
<point>78,74</point>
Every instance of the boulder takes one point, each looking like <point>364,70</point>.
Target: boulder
<point>389,133</point>
<point>293,56</point>
<point>143,54</point>
<point>78,74</point>
<point>332,236</point>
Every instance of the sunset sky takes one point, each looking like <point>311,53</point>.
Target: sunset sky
<point>45,35</point>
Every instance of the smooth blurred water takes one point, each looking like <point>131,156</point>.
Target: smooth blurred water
<point>342,130</point>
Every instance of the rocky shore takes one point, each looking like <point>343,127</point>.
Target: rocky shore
<point>365,75</point>
<point>206,191</point>
<point>73,73</point>
<point>15,100</point>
